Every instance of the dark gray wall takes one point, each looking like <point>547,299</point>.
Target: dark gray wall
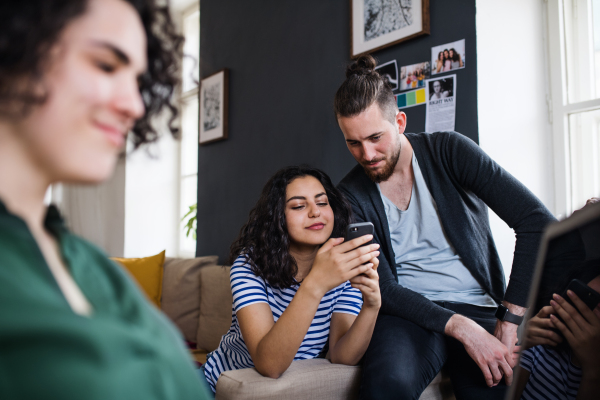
<point>286,60</point>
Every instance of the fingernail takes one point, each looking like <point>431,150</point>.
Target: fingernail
<point>552,316</point>
<point>556,297</point>
<point>570,293</point>
<point>552,302</point>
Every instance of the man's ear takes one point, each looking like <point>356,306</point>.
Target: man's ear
<point>401,121</point>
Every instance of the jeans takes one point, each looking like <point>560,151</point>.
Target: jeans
<point>403,358</point>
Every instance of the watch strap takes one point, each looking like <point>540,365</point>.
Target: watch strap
<point>503,314</point>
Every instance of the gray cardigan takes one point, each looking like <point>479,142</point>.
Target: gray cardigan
<point>462,179</point>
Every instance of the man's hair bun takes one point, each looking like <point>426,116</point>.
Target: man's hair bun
<point>364,65</point>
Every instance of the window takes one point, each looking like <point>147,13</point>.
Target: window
<point>574,56</point>
<point>189,124</point>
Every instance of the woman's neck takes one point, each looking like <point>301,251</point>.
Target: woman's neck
<point>304,256</point>
<point>22,183</point>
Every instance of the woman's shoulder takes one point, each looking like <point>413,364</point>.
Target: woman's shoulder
<point>242,269</point>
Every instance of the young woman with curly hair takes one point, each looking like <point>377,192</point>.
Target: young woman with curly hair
<point>295,283</point>
<point>75,78</point>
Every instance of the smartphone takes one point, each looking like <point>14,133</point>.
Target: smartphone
<point>589,296</point>
<point>359,229</point>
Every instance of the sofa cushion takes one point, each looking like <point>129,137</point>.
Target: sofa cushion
<point>306,379</point>
<point>215,306</point>
<point>181,292</point>
<point>148,272</point>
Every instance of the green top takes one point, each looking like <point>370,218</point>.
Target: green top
<point>126,349</point>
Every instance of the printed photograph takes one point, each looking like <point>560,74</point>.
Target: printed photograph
<point>448,57</point>
<point>441,88</point>
<point>389,71</point>
<point>414,76</point>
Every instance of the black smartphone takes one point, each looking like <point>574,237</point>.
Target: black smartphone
<point>359,229</point>
<point>589,296</point>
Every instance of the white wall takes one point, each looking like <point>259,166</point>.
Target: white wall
<point>152,200</point>
<point>512,75</point>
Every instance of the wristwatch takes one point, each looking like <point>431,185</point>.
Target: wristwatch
<point>503,314</point>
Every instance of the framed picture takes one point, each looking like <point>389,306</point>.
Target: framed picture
<point>214,104</point>
<point>376,24</point>
<point>389,71</point>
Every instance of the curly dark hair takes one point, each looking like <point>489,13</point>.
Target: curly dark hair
<point>364,86</point>
<point>30,28</point>
<point>264,239</point>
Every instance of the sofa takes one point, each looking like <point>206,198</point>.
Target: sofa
<point>196,296</point>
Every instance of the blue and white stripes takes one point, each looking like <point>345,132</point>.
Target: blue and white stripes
<point>552,374</point>
<point>249,289</point>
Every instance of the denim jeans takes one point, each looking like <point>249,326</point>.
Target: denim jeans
<point>403,358</point>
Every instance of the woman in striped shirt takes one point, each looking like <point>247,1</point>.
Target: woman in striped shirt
<point>565,366</point>
<point>295,284</point>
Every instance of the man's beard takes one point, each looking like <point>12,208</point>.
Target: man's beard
<point>388,169</point>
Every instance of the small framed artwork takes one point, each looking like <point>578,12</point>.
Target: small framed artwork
<point>377,24</point>
<point>214,104</point>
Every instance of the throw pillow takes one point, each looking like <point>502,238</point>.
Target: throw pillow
<point>148,272</point>
<point>215,306</point>
<point>181,292</point>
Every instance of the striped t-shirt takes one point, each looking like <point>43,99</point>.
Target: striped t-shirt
<point>248,289</point>
<point>552,374</point>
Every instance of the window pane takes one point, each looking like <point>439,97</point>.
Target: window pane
<point>584,135</point>
<point>189,196</point>
<point>191,49</point>
<point>582,42</point>
<point>189,136</point>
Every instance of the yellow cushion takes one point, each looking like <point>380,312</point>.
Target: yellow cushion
<point>148,272</point>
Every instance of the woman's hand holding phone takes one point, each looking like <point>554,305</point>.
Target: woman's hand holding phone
<point>540,329</point>
<point>580,328</point>
<point>368,284</point>
<point>338,261</point>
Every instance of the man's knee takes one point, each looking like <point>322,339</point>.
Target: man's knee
<point>405,383</point>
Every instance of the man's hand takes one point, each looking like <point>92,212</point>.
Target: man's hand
<point>491,356</point>
<point>505,331</point>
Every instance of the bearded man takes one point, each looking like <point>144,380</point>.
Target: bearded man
<point>444,296</point>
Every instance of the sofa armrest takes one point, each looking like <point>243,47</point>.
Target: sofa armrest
<point>307,379</point>
<point>316,379</point>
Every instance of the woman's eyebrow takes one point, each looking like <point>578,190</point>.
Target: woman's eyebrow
<point>295,198</point>
<point>120,54</point>
<point>321,194</point>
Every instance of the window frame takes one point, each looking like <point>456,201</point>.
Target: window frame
<point>560,108</point>
<point>185,97</point>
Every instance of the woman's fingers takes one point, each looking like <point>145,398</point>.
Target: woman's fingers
<point>375,262</point>
<point>571,317</point>
<point>330,244</point>
<point>353,244</point>
<point>563,329</point>
<point>582,307</point>
<point>545,312</point>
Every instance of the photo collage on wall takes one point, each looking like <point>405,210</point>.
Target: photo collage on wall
<point>429,83</point>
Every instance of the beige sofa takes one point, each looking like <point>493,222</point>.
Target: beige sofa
<point>196,296</point>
